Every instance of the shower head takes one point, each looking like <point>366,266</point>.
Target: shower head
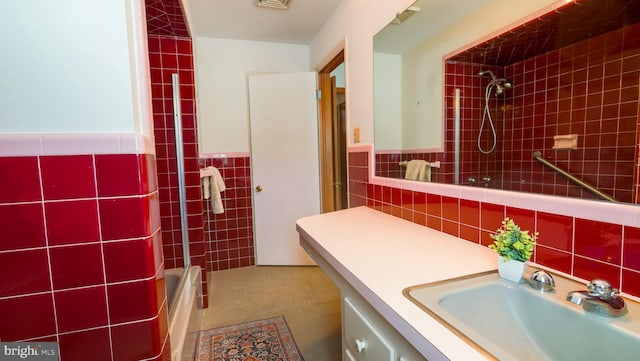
<point>500,84</point>
<point>487,72</point>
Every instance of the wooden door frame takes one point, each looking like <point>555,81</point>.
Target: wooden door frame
<point>325,134</point>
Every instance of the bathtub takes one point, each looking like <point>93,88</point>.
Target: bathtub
<point>183,299</point>
<point>172,280</point>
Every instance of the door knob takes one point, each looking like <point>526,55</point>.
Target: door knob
<point>258,189</point>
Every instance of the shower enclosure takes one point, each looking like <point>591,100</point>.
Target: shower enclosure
<point>183,284</point>
<point>176,143</point>
<point>182,192</point>
<point>495,87</point>
<point>173,102</point>
<point>478,124</point>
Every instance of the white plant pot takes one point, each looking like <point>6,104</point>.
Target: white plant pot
<point>511,270</point>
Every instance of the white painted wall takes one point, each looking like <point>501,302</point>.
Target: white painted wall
<point>353,25</point>
<point>387,70</point>
<point>348,26</point>
<point>422,125</point>
<point>221,67</point>
<point>73,66</point>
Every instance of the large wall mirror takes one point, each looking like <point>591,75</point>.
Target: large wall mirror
<point>549,107</point>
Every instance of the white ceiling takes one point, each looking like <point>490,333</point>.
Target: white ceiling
<point>244,20</point>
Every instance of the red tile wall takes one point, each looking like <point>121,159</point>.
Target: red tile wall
<point>229,235</point>
<point>589,88</point>
<point>580,247</point>
<point>474,164</point>
<point>81,255</point>
<point>164,17</point>
<point>387,165</point>
<point>168,55</point>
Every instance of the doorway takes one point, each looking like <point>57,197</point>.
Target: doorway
<point>333,135</point>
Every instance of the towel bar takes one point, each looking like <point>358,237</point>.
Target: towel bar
<point>206,173</point>
<point>435,164</point>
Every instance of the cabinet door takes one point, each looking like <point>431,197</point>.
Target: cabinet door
<point>362,338</point>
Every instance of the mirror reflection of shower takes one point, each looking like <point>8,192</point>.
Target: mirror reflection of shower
<point>496,86</point>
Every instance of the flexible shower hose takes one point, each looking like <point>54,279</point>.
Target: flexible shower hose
<point>487,115</point>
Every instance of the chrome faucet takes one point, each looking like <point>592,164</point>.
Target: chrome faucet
<point>599,298</point>
<point>542,281</point>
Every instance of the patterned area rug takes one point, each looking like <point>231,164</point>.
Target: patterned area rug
<point>264,340</point>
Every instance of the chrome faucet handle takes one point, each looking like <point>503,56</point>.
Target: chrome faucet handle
<point>542,280</point>
<point>599,298</point>
<point>601,288</point>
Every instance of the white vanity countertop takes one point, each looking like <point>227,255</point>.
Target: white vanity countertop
<point>381,255</point>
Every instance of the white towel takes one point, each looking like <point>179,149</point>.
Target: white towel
<point>206,186</point>
<point>413,169</point>
<point>216,185</point>
<point>424,174</point>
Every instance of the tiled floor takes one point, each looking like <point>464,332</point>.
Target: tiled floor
<point>306,298</point>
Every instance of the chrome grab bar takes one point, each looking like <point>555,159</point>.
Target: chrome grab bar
<point>538,156</point>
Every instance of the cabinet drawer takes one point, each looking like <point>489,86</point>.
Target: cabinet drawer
<point>364,341</point>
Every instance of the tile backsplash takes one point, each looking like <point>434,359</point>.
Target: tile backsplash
<point>580,247</point>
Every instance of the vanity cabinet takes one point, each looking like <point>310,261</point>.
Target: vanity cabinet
<point>372,257</point>
<point>361,338</point>
<point>366,335</point>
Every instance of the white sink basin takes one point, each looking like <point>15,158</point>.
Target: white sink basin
<point>509,321</point>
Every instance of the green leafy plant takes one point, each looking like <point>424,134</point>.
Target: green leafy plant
<point>512,243</point>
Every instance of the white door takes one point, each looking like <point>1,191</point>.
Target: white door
<point>284,163</point>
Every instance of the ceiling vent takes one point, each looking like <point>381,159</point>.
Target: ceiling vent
<point>275,4</point>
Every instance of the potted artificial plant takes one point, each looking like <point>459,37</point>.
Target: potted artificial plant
<point>514,246</point>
